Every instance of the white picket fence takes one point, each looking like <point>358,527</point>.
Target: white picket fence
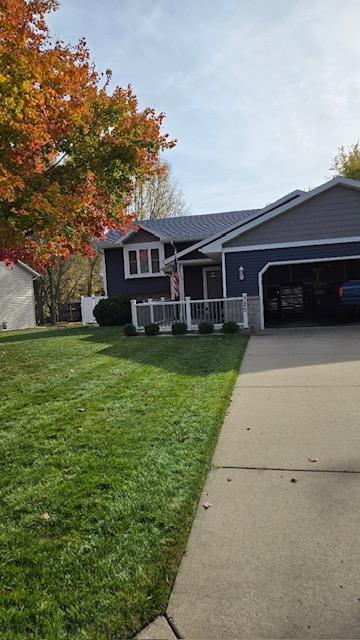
<point>166,312</point>
<point>88,304</point>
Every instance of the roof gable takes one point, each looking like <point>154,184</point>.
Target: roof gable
<point>209,232</point>
<point>215,246</point>
<point>330,214</point>
<point>255,214</point>
<point>140,235</point>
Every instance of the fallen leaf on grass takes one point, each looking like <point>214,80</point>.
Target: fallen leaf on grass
<point>313,459</point>
<point>45,516</point>
<point>206,505</point>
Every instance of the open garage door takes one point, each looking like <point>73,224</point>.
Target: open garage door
<point>307,292</point>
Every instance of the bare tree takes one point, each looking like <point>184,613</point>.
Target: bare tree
<point>65,281</point>
<point>159,197</point>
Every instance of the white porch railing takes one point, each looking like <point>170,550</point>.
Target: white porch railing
<point>88,304</point>
<point>165,312</point>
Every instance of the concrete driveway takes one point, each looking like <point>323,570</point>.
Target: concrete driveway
<point>277,555</point>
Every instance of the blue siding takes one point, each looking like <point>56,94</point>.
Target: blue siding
<point>254,261</point>
<point>142,287</point>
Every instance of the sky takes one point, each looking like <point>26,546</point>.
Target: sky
<point>259,93</point>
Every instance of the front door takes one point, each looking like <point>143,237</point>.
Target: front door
<point>212,282</point>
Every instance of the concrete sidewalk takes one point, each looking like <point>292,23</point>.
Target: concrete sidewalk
<point>277,554</point>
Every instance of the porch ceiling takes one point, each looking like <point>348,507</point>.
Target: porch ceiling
<point>168,268</point>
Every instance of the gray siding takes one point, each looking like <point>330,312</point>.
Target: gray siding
<point>332,214</point>
<point>254,261</point>
<point>17,306</point>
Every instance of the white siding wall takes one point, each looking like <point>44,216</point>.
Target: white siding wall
<point>17,305</point>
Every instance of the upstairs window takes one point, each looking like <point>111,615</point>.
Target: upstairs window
<point>143,261</point>
<point>132,262</point>
<point>155,261</point>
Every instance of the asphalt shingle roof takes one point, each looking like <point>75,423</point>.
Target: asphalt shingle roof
<point>200,227</point>
<point>190,228</point>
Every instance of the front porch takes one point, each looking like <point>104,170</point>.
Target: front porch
<point>165,313</point>
<point>202,299</point>
<point>201,280</point>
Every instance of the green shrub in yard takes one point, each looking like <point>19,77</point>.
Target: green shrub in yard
<point>152,329</point>
<point>178,328</point>
<point>230,327</point>
<point>130,330</point>
<point>113,311</point>
<point>206,327</point>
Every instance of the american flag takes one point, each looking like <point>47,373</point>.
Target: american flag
<point>175,280</point>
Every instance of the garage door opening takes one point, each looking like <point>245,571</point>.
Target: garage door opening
<point>308,292</point>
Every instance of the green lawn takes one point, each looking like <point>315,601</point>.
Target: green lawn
<point>105,443</point>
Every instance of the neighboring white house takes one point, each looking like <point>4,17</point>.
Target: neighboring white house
<point>17,301</point>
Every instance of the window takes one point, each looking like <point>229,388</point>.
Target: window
<point>132,262</point>
<point>143,260</point>
<point>155,261</point>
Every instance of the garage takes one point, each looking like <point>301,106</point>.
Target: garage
<point>307,292</point>
<point>292,257</point>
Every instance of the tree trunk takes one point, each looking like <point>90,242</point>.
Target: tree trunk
<point>90,279</point>
<point>39,301</point>
<point>52,296</point>
<point>58,295</point>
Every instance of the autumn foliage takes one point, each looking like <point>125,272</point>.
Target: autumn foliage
<point>71,150</point>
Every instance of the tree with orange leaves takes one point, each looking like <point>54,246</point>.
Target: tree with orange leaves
<point>70,151</point>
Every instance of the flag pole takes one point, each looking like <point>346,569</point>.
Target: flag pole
<point>175,277</point>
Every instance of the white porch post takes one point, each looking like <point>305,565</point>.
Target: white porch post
<point>223,271</point>
<point>162,300</point>
<point>151,307</point>
<point>188,313</point>
<point>134,314</point>
<point>245,311</point>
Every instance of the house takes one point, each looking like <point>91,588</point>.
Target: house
<point>290,257</point>
<point>17,303</point>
